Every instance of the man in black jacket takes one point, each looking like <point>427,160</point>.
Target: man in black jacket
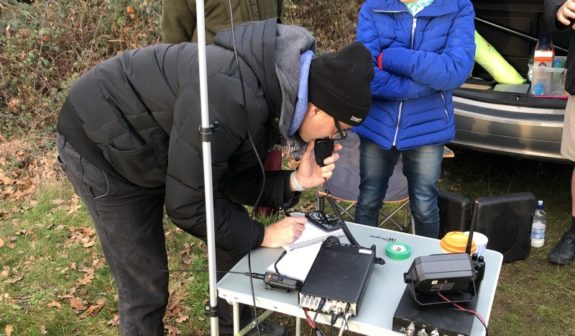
<point>560,14</point>
<point>128,141</point>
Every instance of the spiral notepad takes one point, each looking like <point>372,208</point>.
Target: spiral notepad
<point>302,252</point>
<point>313,235</point>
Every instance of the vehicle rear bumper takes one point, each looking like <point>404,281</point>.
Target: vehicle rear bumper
<point>508,129</point>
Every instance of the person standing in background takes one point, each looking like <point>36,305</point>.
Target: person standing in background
<point>560,14</point>
<point>179,17</point>
<point>422,50</point>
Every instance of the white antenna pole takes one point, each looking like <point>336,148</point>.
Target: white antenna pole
<point>207,153</point>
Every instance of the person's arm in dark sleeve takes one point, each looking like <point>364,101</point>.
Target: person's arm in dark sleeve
<point>245,188</point>
<point>178,21</point>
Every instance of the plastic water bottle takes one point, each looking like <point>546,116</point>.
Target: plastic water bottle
<point>538,226</point>
<point>540,73</point>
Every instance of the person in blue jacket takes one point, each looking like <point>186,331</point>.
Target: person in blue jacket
<point>422,50</point>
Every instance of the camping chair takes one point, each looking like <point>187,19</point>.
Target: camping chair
<point>343,187</point>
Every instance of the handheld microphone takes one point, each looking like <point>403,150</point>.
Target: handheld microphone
<point>277,281</point>
<point>323,148</point>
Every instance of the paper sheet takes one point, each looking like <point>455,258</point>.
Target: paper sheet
<point>301,254</point>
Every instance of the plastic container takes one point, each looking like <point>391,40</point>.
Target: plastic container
<point>480,241</point>
<point>538,226</point>
<point>455,242</point>
<point>542,55</point>
<point>548,82</point>
<point>559,61</point>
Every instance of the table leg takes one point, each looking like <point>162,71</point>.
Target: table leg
<point>236,306</point>
<point>297,326</point>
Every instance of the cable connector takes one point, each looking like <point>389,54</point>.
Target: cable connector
<point>278,281</point>
<point>410,331</point>
<point>254,275</point>
<point>334,318</point>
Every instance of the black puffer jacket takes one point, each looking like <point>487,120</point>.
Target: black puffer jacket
<point>137,115</point>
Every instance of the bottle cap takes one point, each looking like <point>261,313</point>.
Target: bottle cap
<point>538,89</point>
<point>455,242</point>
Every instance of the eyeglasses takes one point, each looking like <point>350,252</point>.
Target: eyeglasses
<point>341,134</point>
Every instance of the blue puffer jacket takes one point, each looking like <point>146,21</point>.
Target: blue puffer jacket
<point>418,61</point>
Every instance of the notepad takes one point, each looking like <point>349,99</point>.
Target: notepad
<point>300,254</point>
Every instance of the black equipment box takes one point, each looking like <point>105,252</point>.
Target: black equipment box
<point>444,317</point>
<point>451,274</point>
<point>505,220</point>
<point>454,212</point>
<point>339,275</point>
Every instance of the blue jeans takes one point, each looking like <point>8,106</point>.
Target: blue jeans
<point>421,166</point>
<point>129,223</point>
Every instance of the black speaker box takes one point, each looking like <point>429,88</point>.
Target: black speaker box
<point>506,221</point>
<point>454,212</point>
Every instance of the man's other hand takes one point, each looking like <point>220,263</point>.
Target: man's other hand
<point>284,231</point>
<point>309,173</point>
<point>566,13</point>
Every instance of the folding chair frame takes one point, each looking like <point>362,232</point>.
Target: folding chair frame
<point>347,210</point>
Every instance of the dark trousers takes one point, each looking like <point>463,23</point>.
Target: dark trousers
<point>128,220</point>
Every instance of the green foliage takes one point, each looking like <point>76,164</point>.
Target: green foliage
<point>45,46</point>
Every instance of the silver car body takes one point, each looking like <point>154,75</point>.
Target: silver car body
<point>533,132</point>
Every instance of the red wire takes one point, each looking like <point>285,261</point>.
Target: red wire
<point>310,322</point>
<point>464,309</point>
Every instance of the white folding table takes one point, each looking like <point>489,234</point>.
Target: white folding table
<point>383,292</point>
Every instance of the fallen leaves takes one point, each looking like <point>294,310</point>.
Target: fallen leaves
<point>94,308</point>
<point>55,304</point>
<point>9,329</point>
<point>175,309</point>
<point>86,236</point>
<point>131,11</point>
<point>10,277</point>
<point>115,321</point>
<point>172,330</point>
<point>14,279</point>
<point>76,304</point>
<point>22,170</point>
<point>88,276</point>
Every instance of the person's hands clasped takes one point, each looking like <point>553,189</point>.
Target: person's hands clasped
<point>566,13</point>
<point>284,231</point>
<point>309,174</point>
